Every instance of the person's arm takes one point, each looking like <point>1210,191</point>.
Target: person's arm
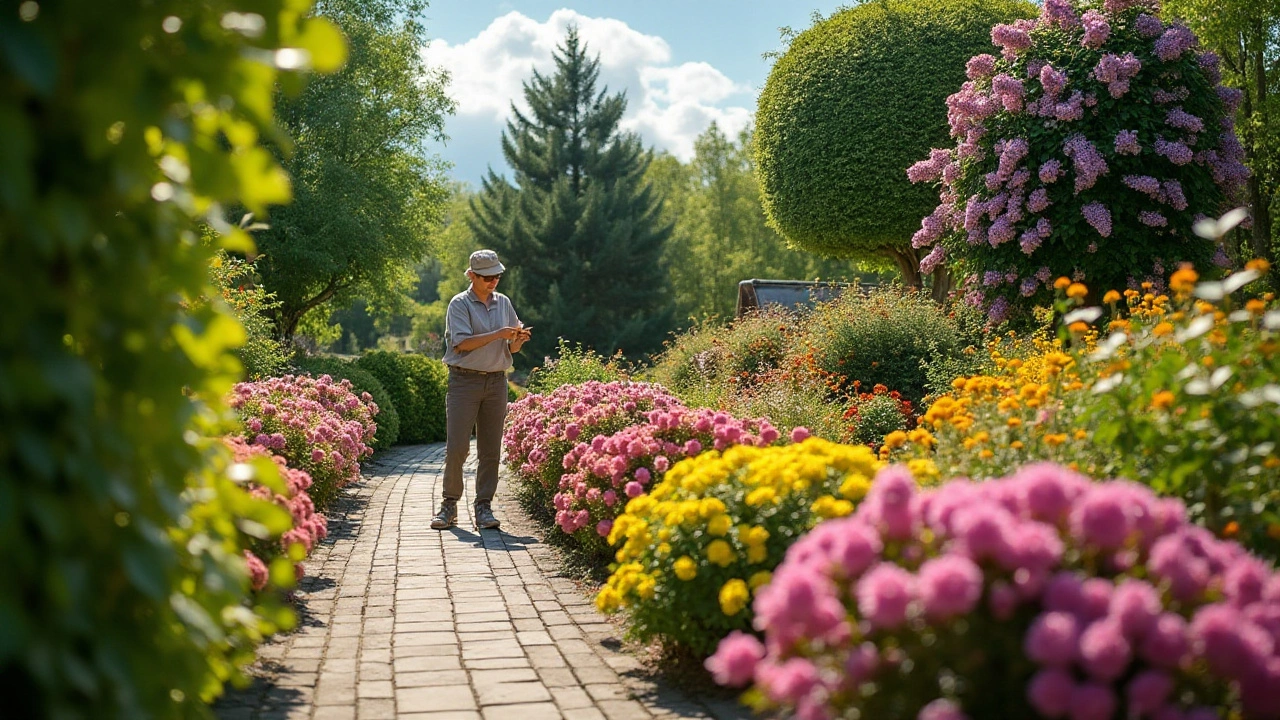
<point>475,341</point>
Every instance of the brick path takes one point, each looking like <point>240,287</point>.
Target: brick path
<point>401,621</point>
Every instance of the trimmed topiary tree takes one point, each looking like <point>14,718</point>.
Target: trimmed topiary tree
<point>852,103</point>
<point>417,386</point>
<point>1088,149</point>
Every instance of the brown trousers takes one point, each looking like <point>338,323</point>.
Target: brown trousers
<point>479,402</point>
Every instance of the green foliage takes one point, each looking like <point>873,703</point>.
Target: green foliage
<point>1242,33</point>
<point>579,231</point>
<point>417,385</point>
<point>574,365</point>
<point>720,235</point>
<point>883,337</point>
<point>851,104</point>
<point>125,592</point>
<point>262,354</point>
<point>1195,413</point>
<point>1099,225</point>
<point>362,381</point>
<point>366,189</point>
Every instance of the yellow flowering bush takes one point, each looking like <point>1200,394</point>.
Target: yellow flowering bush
<point>693,552</point>
<point>1028,405</point>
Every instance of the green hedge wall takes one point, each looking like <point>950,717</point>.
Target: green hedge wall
<point>417,386</point>
<point>388,417</point>
<point>856,100</point>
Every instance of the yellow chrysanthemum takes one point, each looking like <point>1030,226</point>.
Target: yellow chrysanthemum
<point>686,568</point>
<point>734,596</point>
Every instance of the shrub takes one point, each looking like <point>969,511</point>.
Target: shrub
<point>1038,595</point>
<point>853,101</point>
<point>874,415</point>
<point>125,592</point>
<point>307,527</point>
<point>315,424</point>
<point>417,385</point>
<point>362,381</point>
<point>1087,150</point>
<point>729,356</point>
<point>693,550</point>
<point>542,429</point>
<point>881,337</point>
<point>262,355</point>
<point>574,366</point>
<point>601,475</point>
<point>1185,391</point>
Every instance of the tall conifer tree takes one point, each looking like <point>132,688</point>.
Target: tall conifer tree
<point>580,228</point>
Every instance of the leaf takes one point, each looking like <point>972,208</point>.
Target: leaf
<point>29,53</point>
<point>325,43</point>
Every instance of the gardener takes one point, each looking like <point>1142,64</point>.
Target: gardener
<point>481,331</point>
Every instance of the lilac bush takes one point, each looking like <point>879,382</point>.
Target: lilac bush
<point>315,424</point>
<point>1043,594</point>
<point>601,475</point>
<point>1088,149</point>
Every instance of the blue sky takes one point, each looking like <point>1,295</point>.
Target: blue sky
<point>682,63</point>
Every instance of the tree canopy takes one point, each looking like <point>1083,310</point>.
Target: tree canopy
<point>853,102</point>
<point>580,228</point>
<point>366,189</point>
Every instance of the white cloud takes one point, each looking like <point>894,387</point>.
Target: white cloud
<point>668,105</point>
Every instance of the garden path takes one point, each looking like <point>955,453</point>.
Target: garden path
<point>401,621</point>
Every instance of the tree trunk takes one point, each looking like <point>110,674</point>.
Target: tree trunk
<point>942,283</point>
<point>908,265</point>
<point>1259,193</point>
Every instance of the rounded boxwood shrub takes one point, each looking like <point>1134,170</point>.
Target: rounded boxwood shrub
<point>1088,149</point>
<point>855,100</point>
<point>388,418</point>
<point>417,385</point>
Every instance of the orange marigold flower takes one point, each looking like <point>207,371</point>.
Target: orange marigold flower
<point>986,454</point>
<point>1062,283</point>
<point>1162,329</point>
<point>1016,445</point>
<point>1255,306</point>
<point>1077,290</point>
<point>1231,530</point>
<point>1078,327</point>
<point>1258,264</point>
<point>1111,296</point>
<point>1081,434</point>
<point>1162,400</point>
<point>1055,439</point>
<point>1184,279</point>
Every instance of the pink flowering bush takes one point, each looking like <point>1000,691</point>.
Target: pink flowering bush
<point>600,476</point>
<point>1088,149</point>
<point>308,526</point>
<point>543,428</point>
<point>1039,595</point>
<point>315,424</point>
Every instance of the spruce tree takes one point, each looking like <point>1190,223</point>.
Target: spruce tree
<point>580,229</point>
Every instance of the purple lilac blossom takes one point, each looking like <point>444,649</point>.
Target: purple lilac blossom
<point>1176,152</point>
<point>1012,38</point>
<point>1127,143</point>
<point>1096,29</point>
<point>1088,162</point>
<point>1175,41</point>
<point>1098,217</point>
<point>1050,171</point>
<point>1148,25</point>
<point>1152,219</point>
<point>999,310</point>
<point>1059,13</point>
<point>1039,200</point>
<point>1183,120</point>
<point>1143,183</point>
<point>980,66</point>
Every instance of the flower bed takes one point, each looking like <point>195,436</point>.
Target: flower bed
<point>308,527</point>
<point>601,475</point>
<point>1038,595</point>
<point>693,550</point>
<point>315,424</point>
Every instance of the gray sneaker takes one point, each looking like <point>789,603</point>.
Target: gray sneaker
<point>484,517</point>
<point>447,517</point>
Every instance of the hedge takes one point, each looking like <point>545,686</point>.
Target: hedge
<point>417,386</point>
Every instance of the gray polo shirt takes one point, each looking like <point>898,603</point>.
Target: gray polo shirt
<point>467,316</point>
